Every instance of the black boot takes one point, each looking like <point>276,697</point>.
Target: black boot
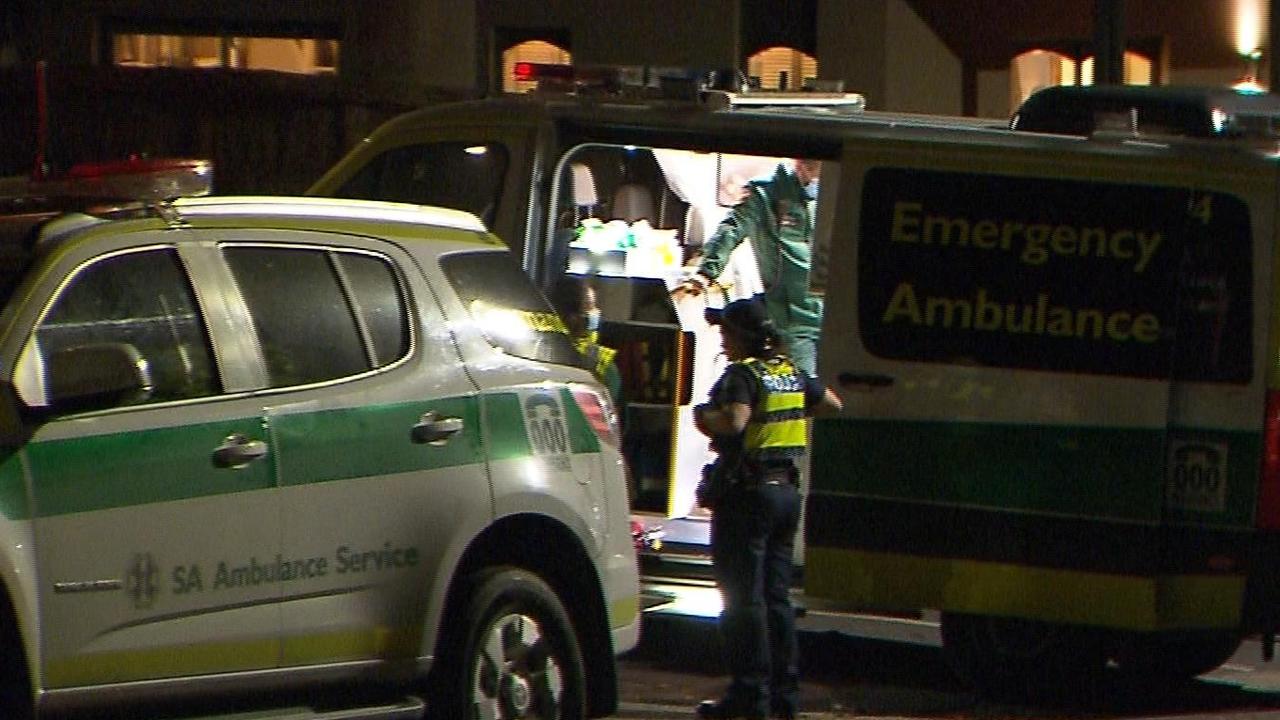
<point>783,708</point>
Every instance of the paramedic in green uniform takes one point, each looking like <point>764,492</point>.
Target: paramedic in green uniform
<point>777,215</point>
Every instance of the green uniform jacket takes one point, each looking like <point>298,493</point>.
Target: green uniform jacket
<point>776,216</point>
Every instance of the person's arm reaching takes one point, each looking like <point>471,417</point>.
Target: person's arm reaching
<point>820,400</point>
<point>728,235</point>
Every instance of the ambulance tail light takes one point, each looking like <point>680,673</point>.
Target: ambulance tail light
<point>598,409</point>
<point>1268,516</point>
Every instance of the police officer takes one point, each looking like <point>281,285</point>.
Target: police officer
<point>777,214</point>
<point>757,408</point>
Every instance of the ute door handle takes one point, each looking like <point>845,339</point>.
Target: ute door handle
<point>870,380</point>
<point>432,429</point>
<point>237,451</point>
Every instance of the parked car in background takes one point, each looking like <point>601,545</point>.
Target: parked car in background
<point>1201,112</point>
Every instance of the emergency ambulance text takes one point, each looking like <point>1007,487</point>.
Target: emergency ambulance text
<point>1035,243</point>
<point>981,312</point>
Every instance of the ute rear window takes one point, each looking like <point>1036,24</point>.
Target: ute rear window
<point>503,301</point>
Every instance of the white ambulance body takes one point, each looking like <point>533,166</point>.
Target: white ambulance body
<point>1056,353</point>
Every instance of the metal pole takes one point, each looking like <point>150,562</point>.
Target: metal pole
<point>41,169</point>
<point>1269,53</point>
<point>1109,42</point>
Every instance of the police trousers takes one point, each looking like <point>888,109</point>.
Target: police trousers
<point>752,537</point>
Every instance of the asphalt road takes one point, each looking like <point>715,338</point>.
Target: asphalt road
<point>851,676</point>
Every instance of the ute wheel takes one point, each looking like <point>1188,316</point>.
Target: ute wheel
<point>1174,656</point>
<point>513,653</point>
<point>1000,655</point>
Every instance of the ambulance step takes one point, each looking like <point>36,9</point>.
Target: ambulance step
<point>409,708</point>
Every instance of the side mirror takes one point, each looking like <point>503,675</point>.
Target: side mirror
<point>96,376</point>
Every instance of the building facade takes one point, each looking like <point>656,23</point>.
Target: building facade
<point>296,83</point>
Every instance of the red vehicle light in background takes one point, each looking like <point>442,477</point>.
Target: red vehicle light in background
<point>530,71</point>
<point>1268,513</point>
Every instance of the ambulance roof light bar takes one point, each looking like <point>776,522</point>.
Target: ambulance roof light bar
<point>714,89</point>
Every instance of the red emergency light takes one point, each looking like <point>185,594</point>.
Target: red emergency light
<point>531,72</point>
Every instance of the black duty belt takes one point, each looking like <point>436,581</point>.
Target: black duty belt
<point>771,475</point>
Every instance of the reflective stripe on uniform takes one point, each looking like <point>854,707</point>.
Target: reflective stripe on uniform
<point>777,429</point>
<point>598,357</point>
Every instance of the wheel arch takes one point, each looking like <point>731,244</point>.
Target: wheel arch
<point>16,651</point>
<point>19,608</point>
<point>548,548</point>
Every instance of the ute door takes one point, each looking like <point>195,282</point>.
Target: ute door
<point>155,512</point>
<point>1002,340</point>
<point>377,434</point>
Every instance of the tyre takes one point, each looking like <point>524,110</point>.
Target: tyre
<point>1002,655</point>
<point>15,684</point>
<point>512,653</point>
<point>1174,656</point>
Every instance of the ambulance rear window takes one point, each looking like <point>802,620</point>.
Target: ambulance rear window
<point>462,176</point>
<point>504,303</point>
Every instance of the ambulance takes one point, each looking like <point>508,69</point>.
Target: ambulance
<point>1057,354</point>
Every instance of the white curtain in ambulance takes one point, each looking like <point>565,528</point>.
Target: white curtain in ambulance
<point>710,183</point>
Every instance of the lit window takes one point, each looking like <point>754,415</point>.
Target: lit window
<point>778,66</point>
<point>1036,69</point>
<point>535,51</point>
<point>307,56</point>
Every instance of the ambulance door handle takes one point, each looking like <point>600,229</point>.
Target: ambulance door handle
<point>237,451</point>
<point>870,380</point>
<point>432,429</point>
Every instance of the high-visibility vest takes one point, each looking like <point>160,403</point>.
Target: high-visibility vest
<point>596,357</point>
<point>776,430</point>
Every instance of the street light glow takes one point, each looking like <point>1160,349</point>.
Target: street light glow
<point>1250,24</point>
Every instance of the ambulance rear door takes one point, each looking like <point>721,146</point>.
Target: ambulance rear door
<point>1220,371</point>
<point>999,322</point>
